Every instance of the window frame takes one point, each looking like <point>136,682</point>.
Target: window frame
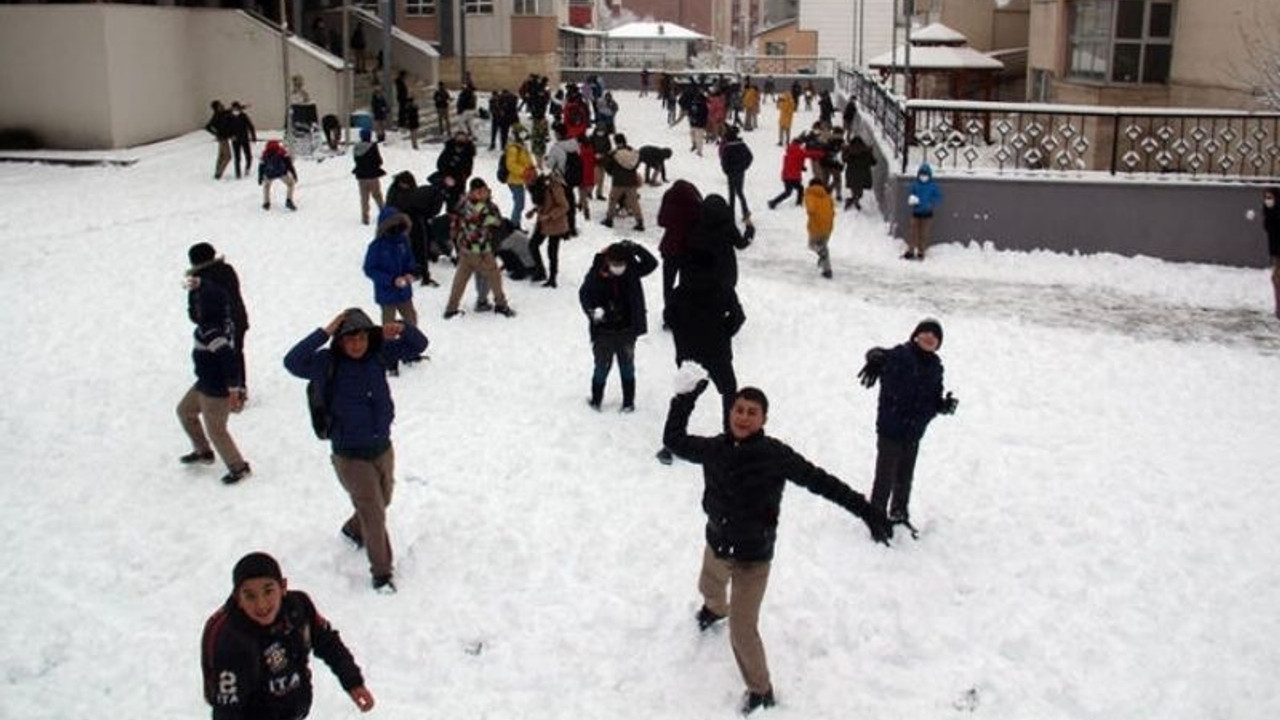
<point>478,7</point>
<point>433,7</point>
<point>1092,53</point>
<point>540,8</point>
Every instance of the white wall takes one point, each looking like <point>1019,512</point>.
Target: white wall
<point>109,76</point>
<point>838,34</point>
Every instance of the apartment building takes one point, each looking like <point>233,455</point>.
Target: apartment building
<point>505,40</point>
<point>1176,53</point>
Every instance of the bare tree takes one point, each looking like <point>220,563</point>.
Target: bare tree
<point>1260,40</point>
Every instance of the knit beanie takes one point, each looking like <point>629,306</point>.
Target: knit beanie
<point>929,325</point>
<point>201,253</point>
<point>255,565</point>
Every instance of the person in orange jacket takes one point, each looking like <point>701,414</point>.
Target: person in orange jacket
<point>821,210</point>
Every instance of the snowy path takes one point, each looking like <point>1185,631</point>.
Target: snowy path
<point>1053,305</point>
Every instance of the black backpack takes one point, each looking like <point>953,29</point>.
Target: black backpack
<point>503,173</point>
<point>318,403</point>
<point>573,169</point>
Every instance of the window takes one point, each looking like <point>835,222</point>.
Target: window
<point>477,7</point>
<point>532,7</point>
<point>419,7</point>
<point>775,48</point>
<point>1121,41</point>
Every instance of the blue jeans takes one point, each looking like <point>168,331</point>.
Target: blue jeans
<point>517,203</point>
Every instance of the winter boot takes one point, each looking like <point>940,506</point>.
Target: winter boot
<point>629,395</point>
<point>756,701</point>
<point>203,457</point>
<point>597,395</point>
<point>705,617</point>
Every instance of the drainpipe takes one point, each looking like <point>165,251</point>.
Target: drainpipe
<point>385,8</point>
<point>348,83</point>
<point>284,64</point>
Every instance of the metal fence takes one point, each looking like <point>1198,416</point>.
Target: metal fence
<point>876,102</point>
<point>1043,138</point>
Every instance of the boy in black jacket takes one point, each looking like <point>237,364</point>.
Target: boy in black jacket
<point>219,389</point>
<point>910,378</point>
<point>744,473</point>
<point>255,649</point>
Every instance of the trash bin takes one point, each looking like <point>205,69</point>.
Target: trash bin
<point>362,121</point>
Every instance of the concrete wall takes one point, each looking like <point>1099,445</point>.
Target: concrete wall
<point>110,76</point>
<point>1179,221</point>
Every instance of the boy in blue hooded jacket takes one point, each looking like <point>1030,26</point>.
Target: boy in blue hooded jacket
<point>353,380</point>
<point>923,199</point>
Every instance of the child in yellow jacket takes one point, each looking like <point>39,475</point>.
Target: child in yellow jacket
<point>822,213</point>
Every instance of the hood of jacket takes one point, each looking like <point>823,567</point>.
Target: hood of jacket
<point>389,220</point>
<point>926,170</point>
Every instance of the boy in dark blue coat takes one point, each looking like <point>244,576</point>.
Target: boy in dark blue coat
<point>255,650</point>
<point>219,387</point>
<point>910,378</point>
<point>353,380</point>
<point>390,264</point>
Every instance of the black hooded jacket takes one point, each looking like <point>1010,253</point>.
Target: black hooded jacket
<point>1271,223</point>
<point>718,236</point>
<point>252,672</point>
<point>743,484</point>
<point>703,314</point>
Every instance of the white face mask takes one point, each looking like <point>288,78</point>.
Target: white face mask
<point>923,178</point>
<point>617,269</point>
<point>1269,202</point>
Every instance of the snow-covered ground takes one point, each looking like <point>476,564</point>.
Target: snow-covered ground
<point>1099,516</point>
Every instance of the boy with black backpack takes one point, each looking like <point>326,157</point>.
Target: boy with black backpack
<point>350,375</point>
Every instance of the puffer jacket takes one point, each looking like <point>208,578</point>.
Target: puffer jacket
<point>910,390</point>
<point>717,235</point>
<point>927,192</point>
<point>821,210</point>
<point>678,217</point>
<point>518,161</point>
<point>368,159</point>
<point>389,257</point>
<point>620,296</point>
<point>743,483</point>
<point>213,348</point>
<point>360,405</point>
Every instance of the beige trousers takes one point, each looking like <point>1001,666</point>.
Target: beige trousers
<point>369,484</point>
<point>629,197</point>
<point>370,188</point>
<point>214,411</point>
<point>745,583</point>
<point>469,263</point>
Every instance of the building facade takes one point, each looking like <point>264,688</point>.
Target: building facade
<point>504,40</point>
<point>1175,53</point>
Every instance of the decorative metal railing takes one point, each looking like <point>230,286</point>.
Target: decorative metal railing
<point>1018,136</point>
<point>1036,137</point>
<point>875,100</point>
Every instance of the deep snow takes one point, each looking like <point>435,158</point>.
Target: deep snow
<point>1098,516</point>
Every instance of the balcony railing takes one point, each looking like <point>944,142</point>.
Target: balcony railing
<point>1034,137</point>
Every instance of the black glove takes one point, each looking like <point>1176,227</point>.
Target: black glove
<point>749,234</point>
<point>870,372</point>
<point>878,523</point>
<point>947,405</point>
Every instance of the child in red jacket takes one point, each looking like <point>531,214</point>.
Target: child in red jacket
<point>792,173</point>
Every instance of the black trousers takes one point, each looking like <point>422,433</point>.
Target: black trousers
<point>895,468</point>
<point>792,185</point>
<point>735,193</point>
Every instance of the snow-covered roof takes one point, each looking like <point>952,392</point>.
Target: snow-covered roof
<point>587,32</point>
<point>937,33</point>
<point>653,31</point>
<point>941,57</point>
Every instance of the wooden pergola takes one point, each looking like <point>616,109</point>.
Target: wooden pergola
<point>940,52</point>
